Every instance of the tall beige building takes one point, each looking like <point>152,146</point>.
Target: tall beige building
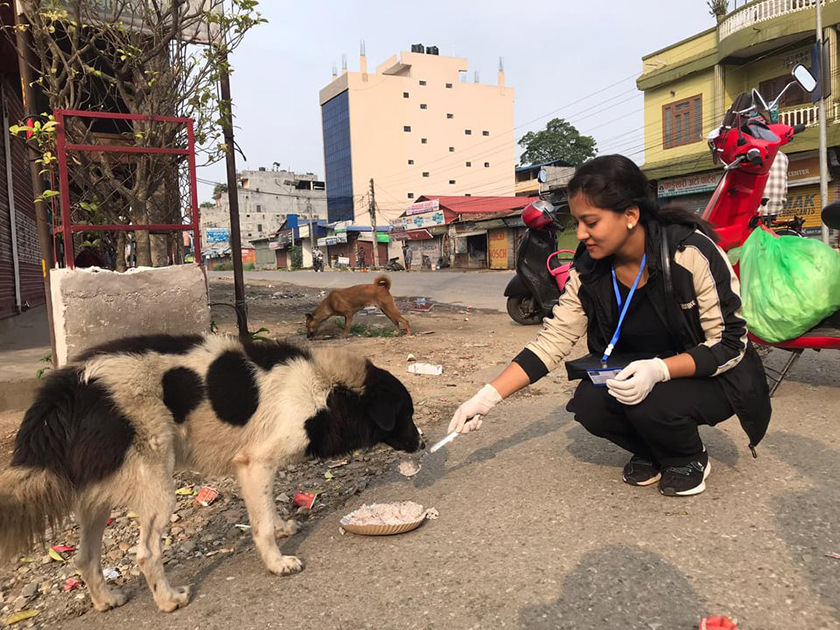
<point>417,127</point>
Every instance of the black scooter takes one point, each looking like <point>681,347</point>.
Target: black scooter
<point>539,281</point>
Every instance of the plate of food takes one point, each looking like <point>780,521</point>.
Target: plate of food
<point>384,519</point>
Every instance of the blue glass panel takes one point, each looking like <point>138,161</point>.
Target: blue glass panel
<point>335,118</point>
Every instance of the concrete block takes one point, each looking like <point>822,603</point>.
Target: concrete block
<point>92,306</point>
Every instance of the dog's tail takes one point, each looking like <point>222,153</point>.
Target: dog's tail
<point>30,500</point>
<point>383,281</point>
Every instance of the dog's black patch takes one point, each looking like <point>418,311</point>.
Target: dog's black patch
<point>73,429</point>
<point>232,388</point>
<point>162,344</point>
<point>267,354</point>
<point>183,391</point>
<point>351,421</point>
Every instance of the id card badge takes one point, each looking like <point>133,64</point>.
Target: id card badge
<point>601,376</point>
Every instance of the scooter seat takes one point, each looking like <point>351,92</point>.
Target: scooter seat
<point>831,215</point>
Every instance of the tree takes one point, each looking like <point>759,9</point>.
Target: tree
<point>136,57</point>
<point>558,141</point>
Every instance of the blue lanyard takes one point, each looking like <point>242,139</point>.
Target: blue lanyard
<point>617,332</point>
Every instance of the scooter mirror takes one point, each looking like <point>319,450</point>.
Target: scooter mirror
<point>542,176</point>
<point>804,78</point>
<point>831,215</point>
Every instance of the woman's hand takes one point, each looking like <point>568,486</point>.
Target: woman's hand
<point>632,385</point>
<point>469,415</point>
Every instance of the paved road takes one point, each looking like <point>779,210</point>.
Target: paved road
<point>477,289</point>
<point>536,530</point>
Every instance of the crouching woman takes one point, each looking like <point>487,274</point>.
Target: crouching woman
<point>679,307</point>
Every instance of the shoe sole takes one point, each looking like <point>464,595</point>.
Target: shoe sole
<point>647,482</point>
<point>696,490</point>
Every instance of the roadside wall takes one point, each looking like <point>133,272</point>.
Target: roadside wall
<point>92,306</point>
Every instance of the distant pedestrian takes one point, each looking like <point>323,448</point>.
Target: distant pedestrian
<point>407,257</point>
<point>360,258</point>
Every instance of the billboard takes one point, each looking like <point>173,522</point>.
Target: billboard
<point>217,235</point>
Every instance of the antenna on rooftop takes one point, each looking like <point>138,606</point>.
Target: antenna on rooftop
<point>501,64</point>
<point>362,48</point>
<point>334,71</point>
<point>476,76</point>
<point>344,62</point>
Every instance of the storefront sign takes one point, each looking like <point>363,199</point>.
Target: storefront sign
<point>380,237</point>
<point>285,237</point>
<point>803,171</point>
<point>422,207</point>
<point>218,235</point>
<point>273,245</point>
<point>805,202</point>
<point>322,242</point>
<point>689,184</point>
<point>421,221</point>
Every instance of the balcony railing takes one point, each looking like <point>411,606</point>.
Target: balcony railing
<point>807,115</point>
<point>760,11</point>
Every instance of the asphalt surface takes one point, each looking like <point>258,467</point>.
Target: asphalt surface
<point>536,530</point>
<point>480,289</point>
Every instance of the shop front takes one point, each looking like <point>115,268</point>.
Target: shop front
<point>691,192</point>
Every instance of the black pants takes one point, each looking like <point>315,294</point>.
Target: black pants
<point>663,427</point>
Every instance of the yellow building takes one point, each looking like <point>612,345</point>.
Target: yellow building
<point>689,85</point>
<point>416,127</point>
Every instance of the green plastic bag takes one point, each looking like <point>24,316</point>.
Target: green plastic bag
<point>788,284</point>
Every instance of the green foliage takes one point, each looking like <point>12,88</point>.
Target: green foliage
<point>48,360</point>
<point>718,8</point>
<point>248,267</point>
<point>366,330</point>
<point>558,141</point>
<point>219,190</point>
<point>225,266</point>
<point>257,334</point>
<point>296,257</point>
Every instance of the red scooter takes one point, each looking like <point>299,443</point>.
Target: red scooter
<point>746,144</point>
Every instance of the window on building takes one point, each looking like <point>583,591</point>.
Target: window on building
<point>247,216</point>
<point>423,141</point>
<point>406,127</point>
<point>422,82</point>
<point>485,133</point>
<point>450,116</point>
<point>259,227</point>
<point>425,173</point>
<point>424,106</point>
<point>467,194</point>
<point>410,195</point>
<point>411,162</point>
<point>469,164</point>
<point>449,86</point>
<point>682,122</point>
<point>405,94</point>
<point>259,208</point>
<point>451,181</point>
<point>794,96</point>
<point>487,165</point>
<point>468,132</point>
<point>452,149</point>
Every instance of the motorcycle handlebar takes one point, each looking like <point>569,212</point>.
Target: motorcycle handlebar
<point>797,129</point>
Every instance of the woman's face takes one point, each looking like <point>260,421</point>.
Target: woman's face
<point>603,231</point>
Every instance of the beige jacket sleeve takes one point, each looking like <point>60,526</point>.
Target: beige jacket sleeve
<point>560,333</point>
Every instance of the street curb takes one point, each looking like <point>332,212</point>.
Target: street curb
<point>17,394</point>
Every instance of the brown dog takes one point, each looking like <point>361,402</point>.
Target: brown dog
<point>349,301</point>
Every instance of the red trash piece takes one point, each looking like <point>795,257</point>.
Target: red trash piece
<point>63,548</point>
<point>304,499</point>
<point>72,584</point>
<point>718,622</point>
<point>206,496</point>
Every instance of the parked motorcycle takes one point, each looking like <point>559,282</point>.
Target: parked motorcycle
<point>540,276</point>
<point>746,145</point>
<point>393,265</point>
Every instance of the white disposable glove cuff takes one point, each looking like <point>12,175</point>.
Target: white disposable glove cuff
<point>666,373</point>
<point>489,396</point>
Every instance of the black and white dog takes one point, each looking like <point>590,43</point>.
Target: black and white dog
<point>112,427</point>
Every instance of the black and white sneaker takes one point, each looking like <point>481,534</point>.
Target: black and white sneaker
<point>688,480</point>
<point>640,472</point>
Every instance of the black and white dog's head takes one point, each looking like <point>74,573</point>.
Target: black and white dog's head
<point>383,412</point>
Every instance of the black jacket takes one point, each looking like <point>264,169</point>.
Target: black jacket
<point>704,316</point>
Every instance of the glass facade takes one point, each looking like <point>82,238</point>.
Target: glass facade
<point>335,118</point>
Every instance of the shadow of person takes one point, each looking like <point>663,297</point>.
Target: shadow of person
<point>434,465</point>
<point>807,520</point>
<point>619,586</point>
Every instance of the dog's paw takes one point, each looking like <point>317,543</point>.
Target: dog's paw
<point>285,565</point>
<point>284,528</point>
<point>110,599</point>
<point>178,597</point>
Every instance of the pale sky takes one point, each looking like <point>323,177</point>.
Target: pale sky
<point>556,55</point>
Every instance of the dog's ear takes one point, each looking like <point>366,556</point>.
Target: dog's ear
<point>383,412</point>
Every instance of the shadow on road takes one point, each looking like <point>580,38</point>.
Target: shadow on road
<point>619,586</point>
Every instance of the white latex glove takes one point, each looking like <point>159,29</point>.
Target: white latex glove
<point>469,415</point>
<point>632,385</point>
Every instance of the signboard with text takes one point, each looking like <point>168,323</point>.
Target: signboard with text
<point>422,207</point>
<point>690,184</point>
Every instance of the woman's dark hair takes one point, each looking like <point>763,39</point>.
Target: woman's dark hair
<point>614,182</point>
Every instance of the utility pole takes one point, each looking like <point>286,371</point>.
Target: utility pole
<point>311,225</point>
<point>822,121</point>
<point>44,231</point>
<point>373,224</point>
<point>240,305</point>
